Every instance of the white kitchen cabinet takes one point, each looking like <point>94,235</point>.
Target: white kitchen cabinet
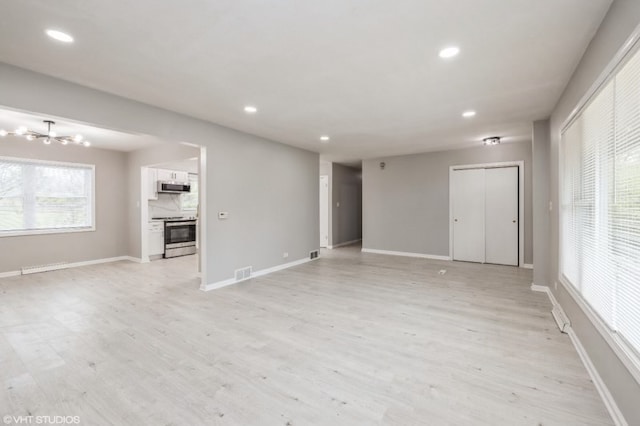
<point>156,238</point>
<point>164,175</point>
<point>182,177</point>
<point>152,184</point>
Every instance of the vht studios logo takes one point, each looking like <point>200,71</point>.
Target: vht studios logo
<point>41,420</point>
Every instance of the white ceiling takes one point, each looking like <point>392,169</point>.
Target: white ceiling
<point>190,165</point>
<point>100,138</point>
<point>366,72</point>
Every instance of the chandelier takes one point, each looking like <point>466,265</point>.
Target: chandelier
<point>493,140</point>
<point>48,137</point>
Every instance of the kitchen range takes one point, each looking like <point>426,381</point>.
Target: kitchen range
<point>176,235</point>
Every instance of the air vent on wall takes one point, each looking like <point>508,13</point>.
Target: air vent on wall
<point>561,318</point>
<point>313,254</point>
<point>243,273</point>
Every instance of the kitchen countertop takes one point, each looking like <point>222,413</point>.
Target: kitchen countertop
<point>174,219</point>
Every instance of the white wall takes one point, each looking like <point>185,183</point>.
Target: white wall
<point>540,202</point>
<point>617,26</point>
<point>406,205</point>
<point>270,189</point>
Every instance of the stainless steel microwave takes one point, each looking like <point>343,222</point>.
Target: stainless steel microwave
<point>174,187</point>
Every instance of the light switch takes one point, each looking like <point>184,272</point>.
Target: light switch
<point>223,215</point>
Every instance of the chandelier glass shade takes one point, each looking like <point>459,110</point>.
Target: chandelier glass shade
<point>493,140</point>
<point>48,137</point>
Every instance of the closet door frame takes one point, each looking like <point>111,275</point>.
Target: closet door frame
<point>520,165</point>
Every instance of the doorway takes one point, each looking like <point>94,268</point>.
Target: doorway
<point>172,209</point>
<point>486,209</point>
<point>324,211</point>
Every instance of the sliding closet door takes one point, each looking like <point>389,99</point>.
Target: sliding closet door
<point>468,215</point>
<point>501,216</point>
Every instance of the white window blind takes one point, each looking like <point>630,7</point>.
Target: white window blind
<point>625,211</point>
<point>600,203</point>
<point>44,196</point>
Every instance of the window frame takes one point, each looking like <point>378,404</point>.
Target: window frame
<point>195,209</point>
<point>628,355</point>
<point>49,231</point>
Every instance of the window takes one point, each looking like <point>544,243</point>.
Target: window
<point>45,197</point>
<point>600,203</point>
<point>190,200</point>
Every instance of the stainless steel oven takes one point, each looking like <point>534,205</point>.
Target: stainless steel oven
<point>179,238</point>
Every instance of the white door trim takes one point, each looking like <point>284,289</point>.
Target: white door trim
<point>520,165</point>
<point>144,214</point>
<point>202,216</point>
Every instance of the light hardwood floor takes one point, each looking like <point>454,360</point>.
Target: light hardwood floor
<point>349,339</point>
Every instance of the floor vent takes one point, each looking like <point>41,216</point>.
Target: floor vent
<point>313,254</point>
<point>561,318</point>
<point>244,273</point>
<point>43,268</point>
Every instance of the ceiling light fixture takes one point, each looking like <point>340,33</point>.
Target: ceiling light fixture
<point>449,52</point>
<point>325,138</point>
<point>493,140</point>
<point>47,138</point>
<point>60,36</point>
<point>250,109</point>
<point>469,114</point>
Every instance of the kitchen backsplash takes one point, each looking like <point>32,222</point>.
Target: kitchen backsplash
<point>165,205</point>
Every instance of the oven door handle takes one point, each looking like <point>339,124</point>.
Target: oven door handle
<point>174,224</point>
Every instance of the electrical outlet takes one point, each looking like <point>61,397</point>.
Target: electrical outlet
<point>285,254</point>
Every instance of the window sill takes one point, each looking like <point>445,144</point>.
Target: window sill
<point>46,231</point>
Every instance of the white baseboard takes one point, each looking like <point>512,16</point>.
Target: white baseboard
<point>230,281</point>
<point>346,243</point>
<point>59,266</point>
<point>528,266</point>
<point>99,261</point>
<point>545,289</point>
<point>9,274</point>
<point>405,254</point>
<point>601,387</point>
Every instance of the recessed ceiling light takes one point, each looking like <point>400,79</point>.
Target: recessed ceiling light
<point>250,109</point>
<point>325,138</point>
<point>60,36</point>
<point>449,52</point>
<point>469,114</point>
